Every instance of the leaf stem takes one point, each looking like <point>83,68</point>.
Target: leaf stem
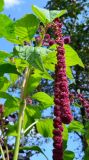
<point>2,152</point>
<point>27,129</point>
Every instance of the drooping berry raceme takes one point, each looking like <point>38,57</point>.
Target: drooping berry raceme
<point>62,110</point>
<point>61,82</point>
<point>85,104</point>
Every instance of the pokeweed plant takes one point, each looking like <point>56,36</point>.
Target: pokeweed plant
<point>39,51</point>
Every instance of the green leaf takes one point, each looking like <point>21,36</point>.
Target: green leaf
<point>32,55</point>
<point>36,61</point>
<point>3,55</point>
<point>44,98</point>
<point>8,68</point>
<point>45,15</point>
<point>69,73</point>
<point>11,103</point>
<point>26,27</point>
<point>19,31</point>
<point>72,57</point>
<point>4,83</point>
<point>5,21</point>
<point>12,130</point>
<point>35,148</point>
<point>21,64</point>
<point>31,113</point>
<point>56,14</point>
<point>50,60</point>
<point>68,155</point>
<point>11,106</point>
<point>76,126</point>
<point>1,5</point>
<point>45,127</point>
<point>33,82</point>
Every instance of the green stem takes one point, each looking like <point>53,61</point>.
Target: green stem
<point>2,153</point>
<point>7,152</point>
<point>20,120</point>
<point>21,114</point>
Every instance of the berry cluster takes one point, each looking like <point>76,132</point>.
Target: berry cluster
<point>28,101</point>
<point>62,110</point>
<point>85,104</point>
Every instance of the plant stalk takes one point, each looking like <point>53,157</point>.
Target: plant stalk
<point>21,114</point>
<point>2,152</point>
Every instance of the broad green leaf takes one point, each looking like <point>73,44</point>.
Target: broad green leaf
<point>3,55</point>
<point>68,155</point>
<point>36,61</point>
<point>69,73</point>
<point>44,98</point>
<point>72,57</point>
<point>50,60</point>
<point>21,64</point>
<point>45,15</point>
<point>45,127</point>
<point>33,148</point>
<point>76,126</point>
<point>11,103</point>
<point>12,130</point>
<point>31,113</point>
<point>4,21</point>
<point>11,106</point>
<point>4,83</point>
<point>33,82</point>
<point>19,31</point>
<point>32,55</point>
<point>55,14</point>
<point>1,5</point>
<point>24,52</point>
<point>26,27</point>
<point>5,95</point>
<point>13,78</point>
<point>8,68</point>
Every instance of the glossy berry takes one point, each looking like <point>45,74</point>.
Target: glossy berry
<point>67,39</point>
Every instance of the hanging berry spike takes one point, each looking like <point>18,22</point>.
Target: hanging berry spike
<point>61,92</point>
<point>62,110</point>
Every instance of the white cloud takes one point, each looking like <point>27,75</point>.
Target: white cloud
<point>11,3</point>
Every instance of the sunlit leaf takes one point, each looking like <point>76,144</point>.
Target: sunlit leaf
<point>33,148</point>
<point>72,57</point>
<point>43,97</point>
<point>76,126</point>
<point>1,5</point>
<point>68,155</point>
<point>45,127</point>
<point>45,15</point>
